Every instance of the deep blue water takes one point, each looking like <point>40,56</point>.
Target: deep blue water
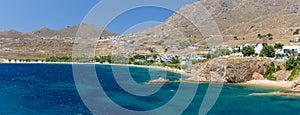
<point>50,89</point>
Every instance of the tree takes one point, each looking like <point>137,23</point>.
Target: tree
<point>270,38</point>
<point>208,56</point>
<point>236,38</point>
<point>166,49</point>
<point>296,32</point>
<point>291,63</point>
<point>175,60</point>
<point>221,52</point>
<point>269,72</point>
<point>292,53</point>
<point>298,59</point>
<point>269,35</point>
<point>218,53</point>
<point>248,51</point>
<point>278,46</point>
<point>259,36</point>
<point>268,51</point>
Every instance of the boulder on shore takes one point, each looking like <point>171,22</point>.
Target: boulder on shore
<point>295,89</point>
<point>296,86</point>
<point>257,76</point>
<point>160,80</point>
<point>281,75</point>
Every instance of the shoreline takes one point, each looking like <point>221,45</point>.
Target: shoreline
<point>174,70</point>
<point>262,83</point>
<point>268,83</point>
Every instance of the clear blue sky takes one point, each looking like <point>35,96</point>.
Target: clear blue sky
<point>29,15</point>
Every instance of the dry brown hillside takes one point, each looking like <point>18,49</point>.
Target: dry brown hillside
<point>244,19</point>
<point>42,43</point>
<point>248,18</point>
<point>69,31</point>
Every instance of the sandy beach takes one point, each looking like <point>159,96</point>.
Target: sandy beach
<point>175,70</point>
<point>268,83</point>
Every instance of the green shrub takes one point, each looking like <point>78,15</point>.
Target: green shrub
<point>236,38</point>
<point>296,32</point>
<point>278,46</point>
<point>291,63</point>
<point>269,73</point>
<point>259,36</point>
<point>294,73</point>
<point>268,51</point>
<point>270,70</point>
<point>278,68</point>
<point>248,51</point>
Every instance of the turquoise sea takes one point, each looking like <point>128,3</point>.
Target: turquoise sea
<point>50,89</point>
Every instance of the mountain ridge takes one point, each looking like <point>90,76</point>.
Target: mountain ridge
<point>44,32</point>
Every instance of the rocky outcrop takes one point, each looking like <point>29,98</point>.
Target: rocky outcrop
<point>160,80</point>
<point>257,76</point>
<point>232,70</point>
<point>281,75</point>
<point>295,89</point>
<point>212,70</point>
<point>296,86</point>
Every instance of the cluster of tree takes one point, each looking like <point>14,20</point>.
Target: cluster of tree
<point>270,70</point>
<point>268,36</point>
<point>292,63</point>
<point>278,46</point>
<point>59,59</point>
<point>102,59</point>
<point>296,32</point>
<point>237,38</point>
<point>294,73</point>
<point>279,55</point>
<point>218,53</point>
<point>267,51</point>
<point>248,51</point>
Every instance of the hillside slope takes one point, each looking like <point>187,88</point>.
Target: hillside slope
<point>244,19</point>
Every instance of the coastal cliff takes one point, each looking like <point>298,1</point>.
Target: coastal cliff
<point>234,70</point>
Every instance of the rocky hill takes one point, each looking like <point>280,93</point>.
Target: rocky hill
<point>42,43</point>
<point>240,22</point>
<point>69,31</point>
<point>248,18</point>
<point>13,34</point>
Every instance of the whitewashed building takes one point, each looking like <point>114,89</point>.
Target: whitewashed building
<point>296,40</point>
<point>258,48</point>
<point>285,49</point>
<point>5,49</point>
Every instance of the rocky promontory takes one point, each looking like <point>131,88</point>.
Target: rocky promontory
<point>295,89</point>
<point>234,70</point>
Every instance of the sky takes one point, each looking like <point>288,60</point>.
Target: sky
<point>30,15</point>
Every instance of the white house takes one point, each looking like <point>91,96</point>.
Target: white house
<point>285,49</point>
<point>296,40</point>
<point>186,63</point>
<point>5,49</point>
<point>69,38</point>
<point>258,48</point>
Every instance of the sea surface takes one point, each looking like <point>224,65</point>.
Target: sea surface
<point>50,89</point>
